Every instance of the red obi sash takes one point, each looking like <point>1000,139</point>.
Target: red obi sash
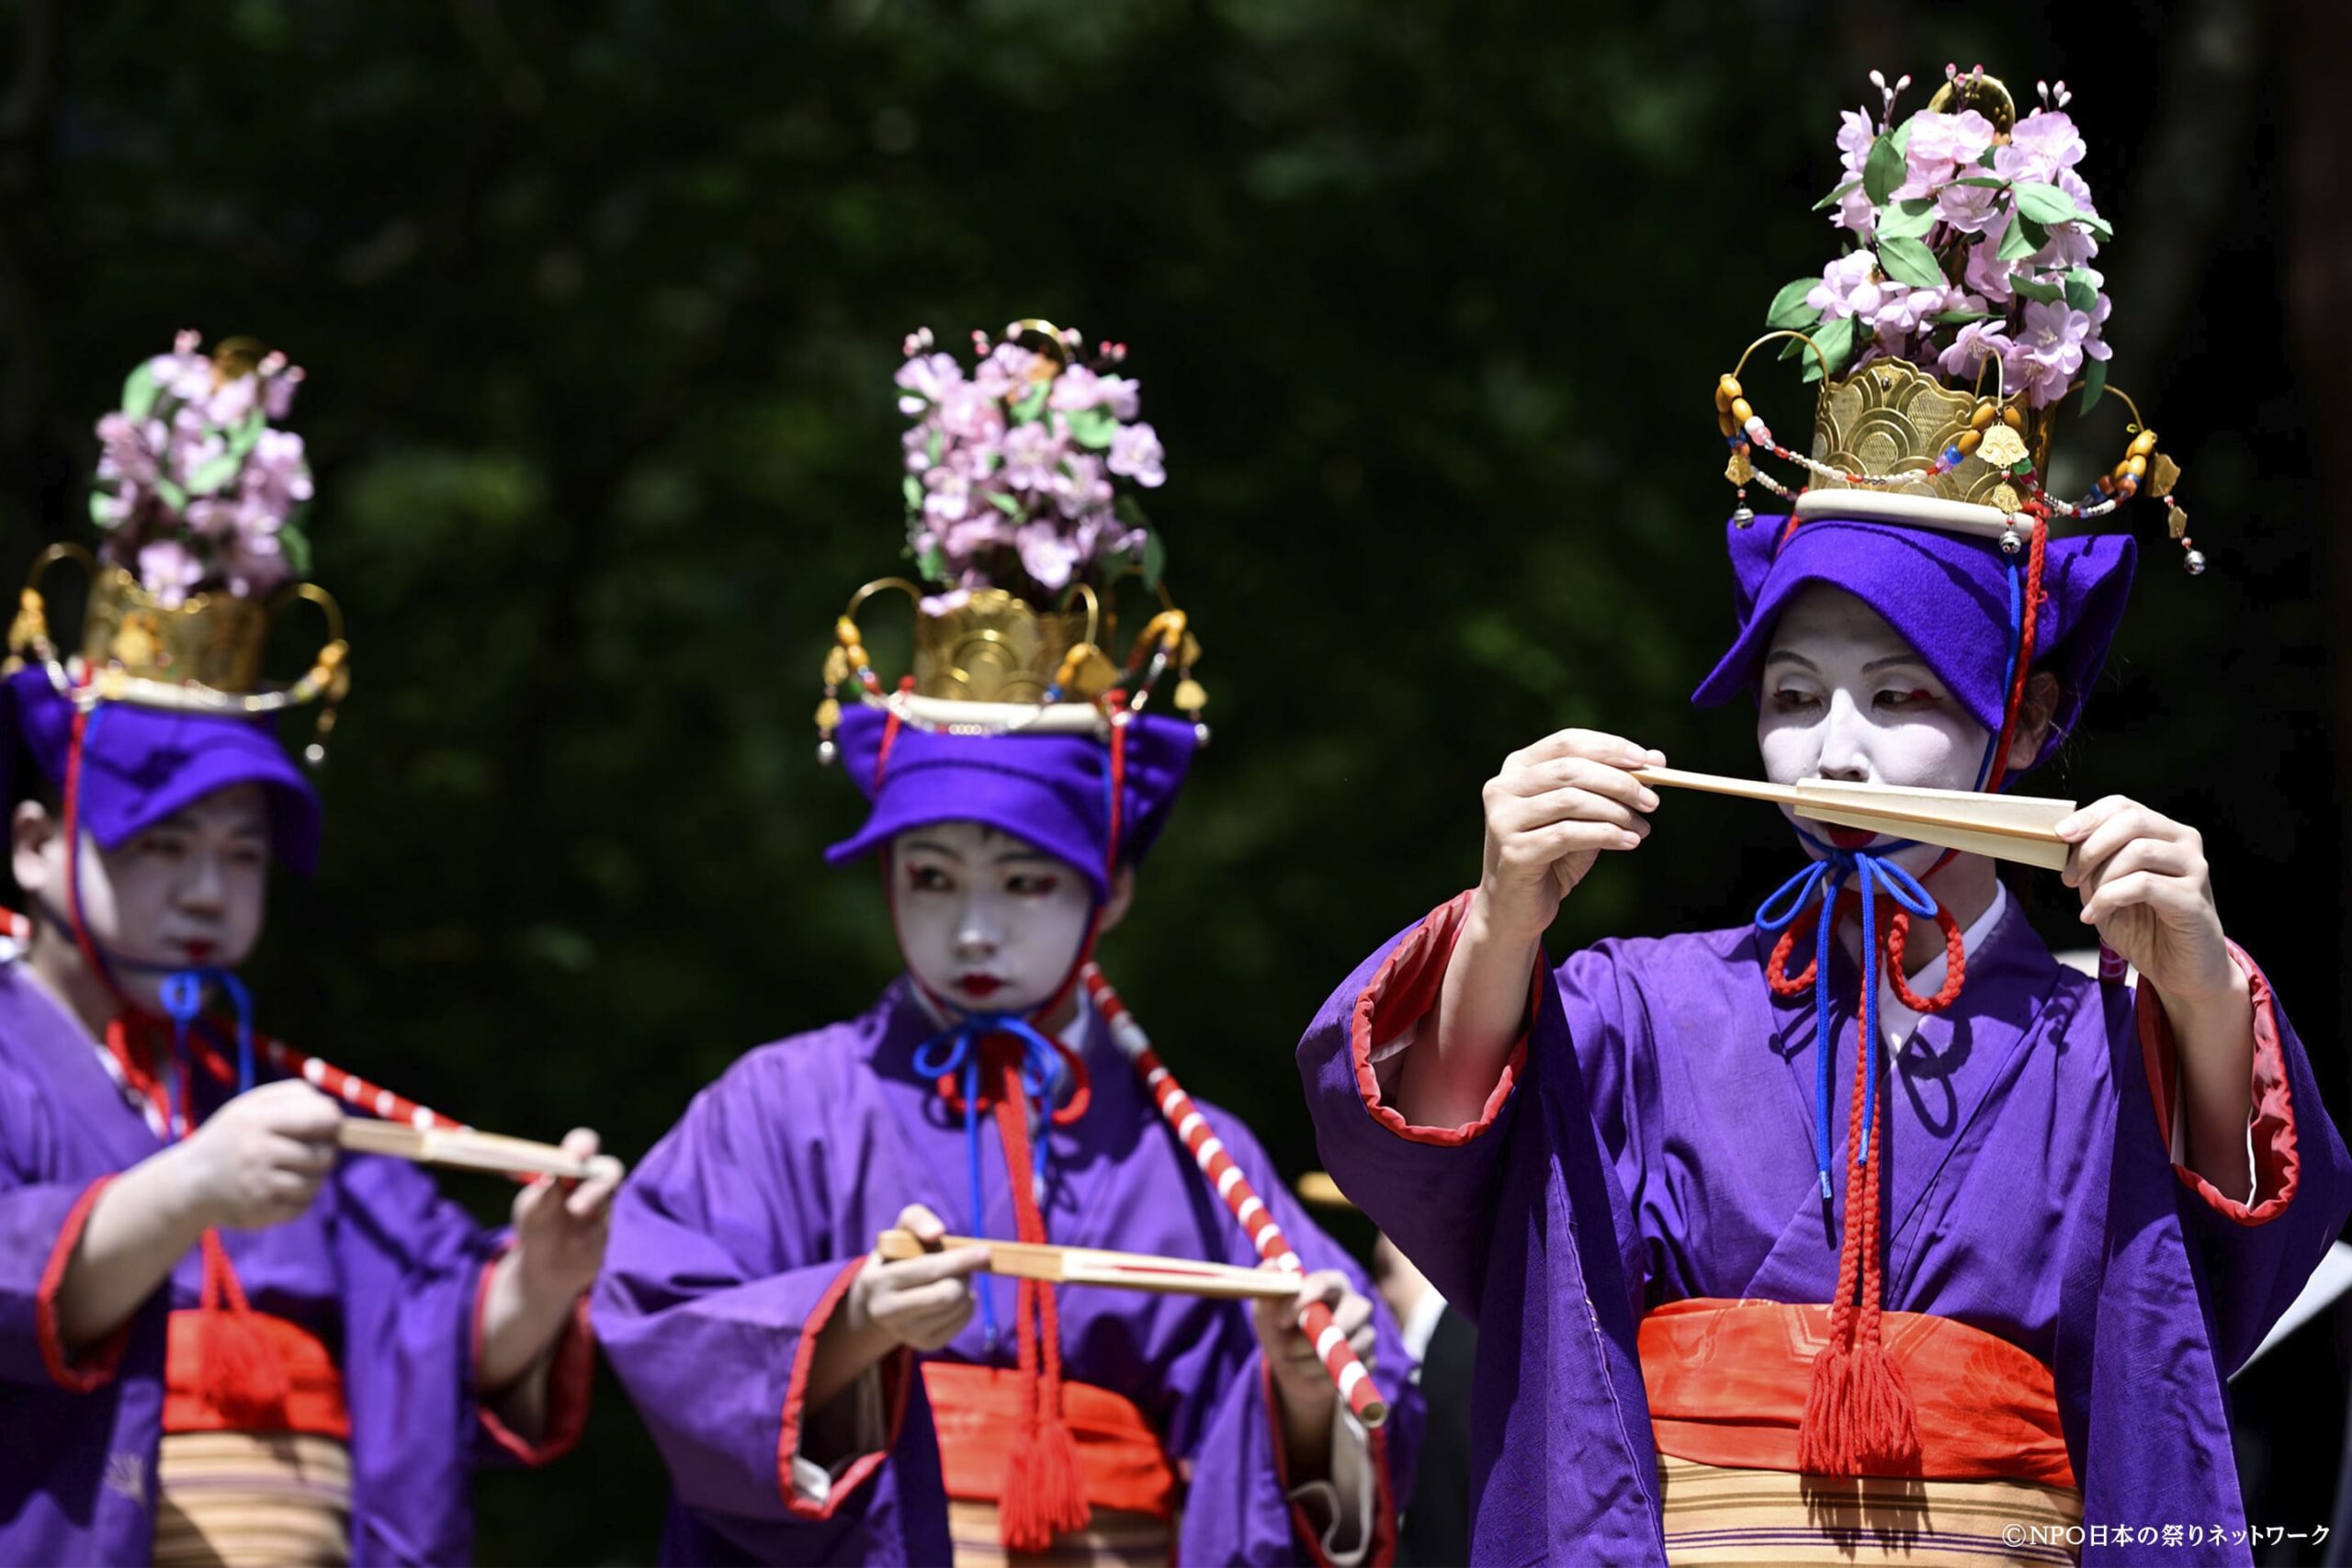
<point>1727,1381</point>
<point>975,1409</point>
<point>313,1402</point>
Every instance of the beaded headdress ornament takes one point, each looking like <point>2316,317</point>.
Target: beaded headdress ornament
<point>199,500</point>
<point>1021,483</point>
<point>1973,235</point>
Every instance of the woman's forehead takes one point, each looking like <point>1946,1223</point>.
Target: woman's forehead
<point>969,840</point>
<point>1822,618</point>
<point>235,806</point>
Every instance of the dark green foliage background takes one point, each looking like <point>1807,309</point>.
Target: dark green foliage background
<point>600,303</point>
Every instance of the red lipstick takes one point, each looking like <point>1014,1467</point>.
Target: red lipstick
<point>1852,838</point>
<point>979,987</point>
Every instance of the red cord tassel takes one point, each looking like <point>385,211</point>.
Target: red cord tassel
<point>1860,1417</point>
<point>1045,1494</point>
<point>242,1376</point>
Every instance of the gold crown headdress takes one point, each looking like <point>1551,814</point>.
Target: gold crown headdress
<point>1021,472</point>
<point>1976,235</point>
<point>199,497</point>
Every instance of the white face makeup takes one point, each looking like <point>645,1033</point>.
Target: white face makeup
<point>986,922</point>
<point>188,892</point>
<point>1846,697</point>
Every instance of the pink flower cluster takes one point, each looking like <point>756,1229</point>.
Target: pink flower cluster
<point>1967,286</point>
<point>195,489</point>
<point>1014,470</point>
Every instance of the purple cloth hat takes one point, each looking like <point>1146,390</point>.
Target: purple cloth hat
<point>1052,791</point>
<point>1946,593</point>
<point>141,764</point>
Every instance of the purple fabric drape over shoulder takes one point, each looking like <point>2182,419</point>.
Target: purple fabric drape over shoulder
<point>1654,1142</point>
<point>738,1231</point>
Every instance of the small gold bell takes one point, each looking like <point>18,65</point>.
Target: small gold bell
<point>1096,675</point>
<point>2163,474</point>
<point>1739,470</point>
<point>836,666</point>
<point>2179,522</point>
<point>2005,498</point>
<point>2003,447</point>
<point>1190,697</point>
<point>829,713</point>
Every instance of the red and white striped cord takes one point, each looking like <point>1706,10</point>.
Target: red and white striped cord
<point>328,1079</point>
<point>1348,1374</point>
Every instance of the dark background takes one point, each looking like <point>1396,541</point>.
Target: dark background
<point>601,300</point>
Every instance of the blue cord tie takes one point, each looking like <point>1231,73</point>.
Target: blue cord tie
<point>2008,667</point>
<point>182,994</point>
<point>1824,878</point>
<point>955,1051</point>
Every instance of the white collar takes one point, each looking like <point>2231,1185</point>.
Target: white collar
<point>1896,1021</point>
<point>1072,1036</point>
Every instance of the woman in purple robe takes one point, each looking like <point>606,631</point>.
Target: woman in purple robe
<point>221,1341</point>
<point>1957,1271</point>
<point>817,1403</point>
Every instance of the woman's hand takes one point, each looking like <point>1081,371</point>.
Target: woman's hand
<point>259,1159</point>
<point>561,1228</point>
<point>920,1302</point>
<point>2143,882</point>
<point>1549,813</point>
<point>1306,1399</point>
<point>1299,1373</point>
<point>560,1232</point>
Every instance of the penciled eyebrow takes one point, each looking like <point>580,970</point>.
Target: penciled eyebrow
<point>933,847</point>
<point>1023,857</point>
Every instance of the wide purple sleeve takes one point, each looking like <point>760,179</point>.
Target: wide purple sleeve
<point>1518,1220</point>
<point>40,1224</point>
<point>1224,1423</point>
<point>1433,1190</point>
<point>2260,1250</point>
<point>413,1267</point>
<point>2141,1394</point>
<point>721,1275</point>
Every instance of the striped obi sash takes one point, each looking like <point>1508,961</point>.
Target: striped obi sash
<point>1130,1484</point>
<point>1727,1381</point>
<point>227,1493</point>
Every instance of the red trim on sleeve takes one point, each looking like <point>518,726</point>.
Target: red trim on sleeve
<point>98,1362</point>
<point>896,1380</point>
<point>1381,1550</point>
<point>571,1376</point>
<point>2277,1161</point>
<point>1402,992</point>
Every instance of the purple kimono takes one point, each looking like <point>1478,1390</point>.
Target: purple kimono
<point>381,1269</point>
<point>736,1238</point>
<point>384,1273</point>
<point>1651,1140</point>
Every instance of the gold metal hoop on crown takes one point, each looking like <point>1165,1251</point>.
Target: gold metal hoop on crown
<point>2137,425</point>
<point>1056,344</point>
<point>858,599</point>
<point>29,633</point>
<point>117,599</point>
<point>1988,96</point>
<point>1094,610</point>
<point>1820,357</point>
